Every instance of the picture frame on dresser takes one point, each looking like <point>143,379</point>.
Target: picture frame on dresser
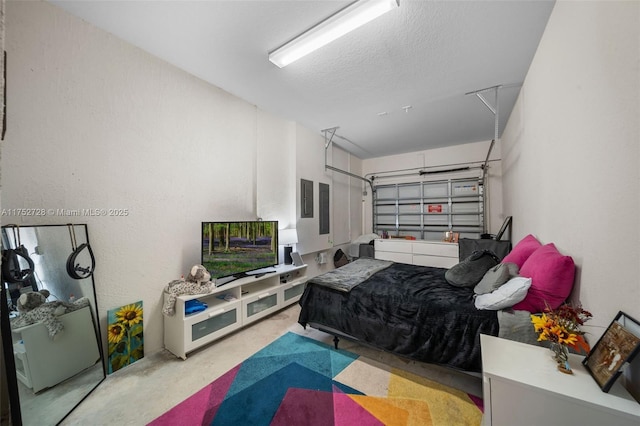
<point>297,259</point>
<point>616,348</point>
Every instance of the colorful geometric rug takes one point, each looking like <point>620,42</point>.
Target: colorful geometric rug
<point>300,381</point>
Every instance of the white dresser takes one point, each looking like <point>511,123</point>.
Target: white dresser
<point>42,362</point>
<point>522,386</point>
<point>417,252</point>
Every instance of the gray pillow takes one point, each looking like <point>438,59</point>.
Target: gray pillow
<point>470,271</point>
<point>496,277</point>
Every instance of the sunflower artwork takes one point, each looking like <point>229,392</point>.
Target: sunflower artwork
<point>126,343</point>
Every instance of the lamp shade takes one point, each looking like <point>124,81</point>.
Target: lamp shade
<point>287,236</point>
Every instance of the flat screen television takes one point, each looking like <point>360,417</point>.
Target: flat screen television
<point>235,249</point>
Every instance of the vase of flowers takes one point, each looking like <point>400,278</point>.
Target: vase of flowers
<point>560,353</point>
<point>561,328</point>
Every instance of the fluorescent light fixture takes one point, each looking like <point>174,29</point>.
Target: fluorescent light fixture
<point>337,25</point>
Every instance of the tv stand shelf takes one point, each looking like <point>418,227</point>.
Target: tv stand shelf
<point>231,306</point>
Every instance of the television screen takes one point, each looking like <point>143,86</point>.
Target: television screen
<point>235,248</point>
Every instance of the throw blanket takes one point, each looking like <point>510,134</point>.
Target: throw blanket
<point>350,275</point>
<point>49,314</point>
<point>406,309</point>
<point>178,287</point>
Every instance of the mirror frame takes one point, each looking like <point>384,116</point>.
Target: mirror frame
<point>7,340</point>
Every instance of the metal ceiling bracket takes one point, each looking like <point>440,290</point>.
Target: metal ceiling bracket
<point>495,110</point>
<point>327,142</point>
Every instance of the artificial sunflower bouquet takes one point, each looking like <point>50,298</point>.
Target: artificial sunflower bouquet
<point>561,327</point>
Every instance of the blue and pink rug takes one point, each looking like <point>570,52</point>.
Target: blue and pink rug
<point>299,381</point>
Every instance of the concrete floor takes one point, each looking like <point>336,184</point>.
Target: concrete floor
<point>143,391</point>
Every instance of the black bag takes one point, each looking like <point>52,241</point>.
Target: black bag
<point>13,270</point>
<point>470,271</point>
<point>466,246</point>
<point>12,266</point>
<point>340,259</point>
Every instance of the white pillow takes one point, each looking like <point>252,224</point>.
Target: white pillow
<point>507,295</point>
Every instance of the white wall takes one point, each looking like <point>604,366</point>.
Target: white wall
<point>310,166</point>
<point>473,154</point>
<point>275,180</point>
<point>276,155</point>
<point>95,123</point>
<point>571,156</point>
<point>345,207</point>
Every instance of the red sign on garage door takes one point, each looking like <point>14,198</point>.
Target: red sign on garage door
<point>434,208</point>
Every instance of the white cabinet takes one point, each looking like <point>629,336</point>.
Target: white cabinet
<point>260,301</point>
<point>230,307</point>
<point>42,362</point>
<point>393,250</point>
<point>522,386</point>
<point>417,252</point>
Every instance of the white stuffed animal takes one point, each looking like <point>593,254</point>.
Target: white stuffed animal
<point>198,282</point>
<point>33,308</point>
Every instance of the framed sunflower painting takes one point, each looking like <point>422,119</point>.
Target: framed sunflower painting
<point>126,342</point>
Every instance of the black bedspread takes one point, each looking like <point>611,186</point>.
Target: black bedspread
<point>409,310</point>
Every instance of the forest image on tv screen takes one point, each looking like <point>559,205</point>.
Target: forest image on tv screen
<point>230,248</point>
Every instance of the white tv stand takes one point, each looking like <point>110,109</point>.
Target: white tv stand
<point>247,300</point>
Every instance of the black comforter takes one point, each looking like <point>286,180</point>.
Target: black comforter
<point>406,309</point>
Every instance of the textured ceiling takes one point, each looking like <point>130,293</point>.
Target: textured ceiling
<point>425,54</point>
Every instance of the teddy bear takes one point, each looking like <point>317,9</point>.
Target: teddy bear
<point>198,281</point>
<point>33,308</point>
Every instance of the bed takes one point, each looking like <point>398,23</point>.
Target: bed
<point>409,310</point>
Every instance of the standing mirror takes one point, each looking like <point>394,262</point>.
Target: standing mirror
<point>52,353</point>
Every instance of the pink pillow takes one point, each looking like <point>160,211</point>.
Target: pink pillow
<point>522,250</point>
<point>551,276</point>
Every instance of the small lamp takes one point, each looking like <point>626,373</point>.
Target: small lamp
<point>287,237</point>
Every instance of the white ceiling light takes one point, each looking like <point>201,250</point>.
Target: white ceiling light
<point>337,25</point>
